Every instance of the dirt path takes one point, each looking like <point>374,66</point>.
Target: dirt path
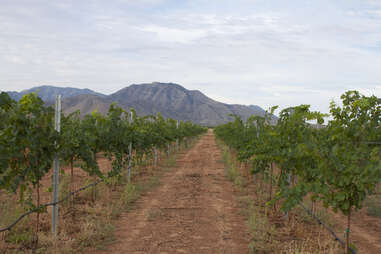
<point>193,211</point>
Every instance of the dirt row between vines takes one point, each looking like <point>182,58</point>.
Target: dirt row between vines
<point>193,211</point>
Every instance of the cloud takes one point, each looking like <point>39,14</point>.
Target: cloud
<point>252,52</point>
<point>167,34</point>
<point>143,2</point>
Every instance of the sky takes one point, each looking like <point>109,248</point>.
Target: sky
<point>260,52</point>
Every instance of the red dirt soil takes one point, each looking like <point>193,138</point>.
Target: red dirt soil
<point>193,211</point>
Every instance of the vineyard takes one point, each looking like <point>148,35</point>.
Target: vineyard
<point>29,144</point>
<point>155,185</point>
<point>336,165</point>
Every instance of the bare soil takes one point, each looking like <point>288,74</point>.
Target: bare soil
<point>193,211</point>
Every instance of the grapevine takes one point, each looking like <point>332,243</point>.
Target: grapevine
<point>338,163</point>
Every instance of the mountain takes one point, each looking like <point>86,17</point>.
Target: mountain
<point>171,100</point>
<point>86,103</point>
<point>174,101</point>
<point>257,109</point>
<point>49,93</point>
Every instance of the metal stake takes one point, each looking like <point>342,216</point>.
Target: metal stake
<point>56,165</point>
<point>155,161</point>
<point>130,153</point>
<point>177,140</point>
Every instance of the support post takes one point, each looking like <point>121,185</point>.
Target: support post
<point>56,166</point>
<point>155,154</point>
<point>130,152</point>
<point>289,183</point>
<point>177,140</point>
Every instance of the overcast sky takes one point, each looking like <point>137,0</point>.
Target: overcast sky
<point>259,52</point>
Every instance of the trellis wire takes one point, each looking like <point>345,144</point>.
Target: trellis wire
<point>326,227</point>
<point>8,228</point>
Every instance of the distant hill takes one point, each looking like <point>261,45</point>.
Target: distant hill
<point>171,100</point>
<point>257,109</point>
<point>49,93</point>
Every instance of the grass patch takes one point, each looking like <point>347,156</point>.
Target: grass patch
<point>20,235</point>
<point>231,170</point>
<point>261,230</point>
<point>130,194</point>
<point>154,214</point>
<point>170,162</point>
<point>95,233</point>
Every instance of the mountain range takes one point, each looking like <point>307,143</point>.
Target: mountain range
<point>171,100</point>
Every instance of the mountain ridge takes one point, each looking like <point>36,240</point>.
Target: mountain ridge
<point>48,93</point>
<point>170,99</point>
